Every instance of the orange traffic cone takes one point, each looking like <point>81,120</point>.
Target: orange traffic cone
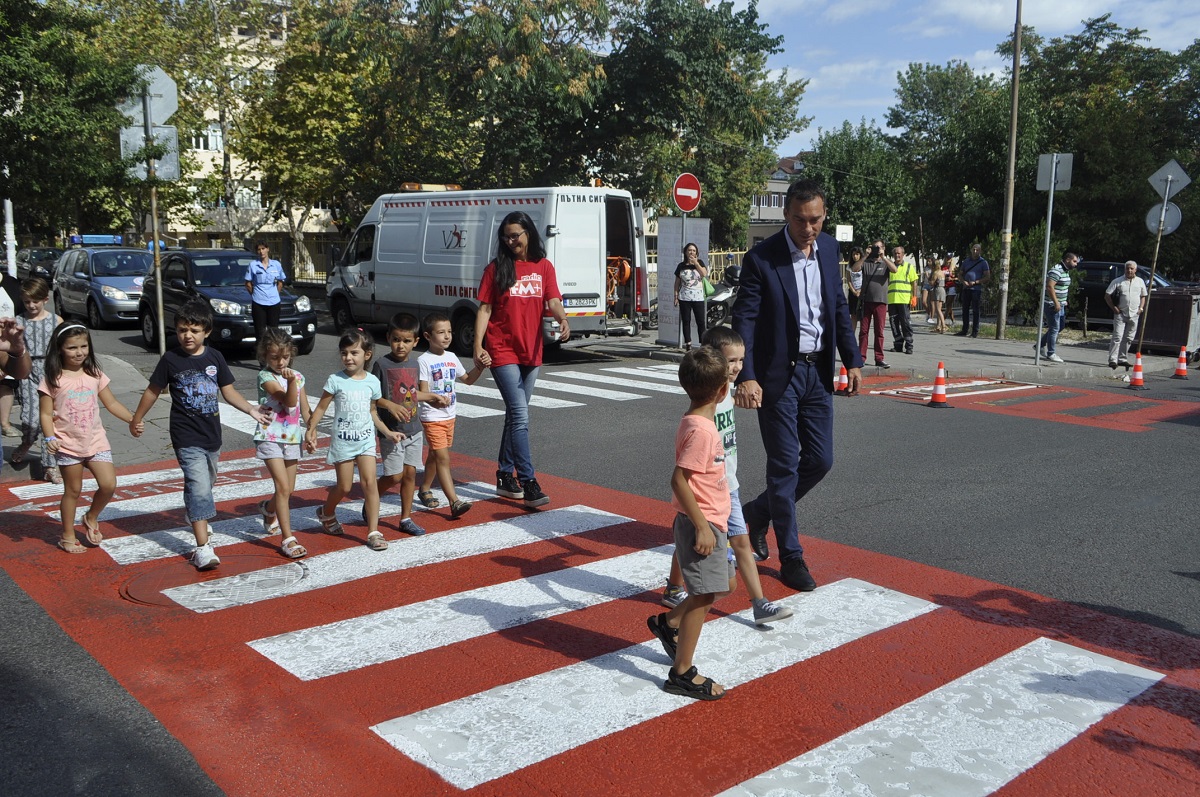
<point>938,400</point>
<point>1137,382</point>
<point>843,383</point>
<point>1181,365</point>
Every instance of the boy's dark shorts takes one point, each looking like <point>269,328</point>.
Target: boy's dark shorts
<point>703,575</point>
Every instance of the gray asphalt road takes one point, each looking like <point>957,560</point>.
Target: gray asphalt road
<point>1086,515</point>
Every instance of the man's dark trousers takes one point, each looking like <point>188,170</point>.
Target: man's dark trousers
<point>970,299</point>
<point>797,428</point>
<point>902,334</point>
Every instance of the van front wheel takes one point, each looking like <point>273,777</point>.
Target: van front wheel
<point>343,319</point>
<point>463,327</point>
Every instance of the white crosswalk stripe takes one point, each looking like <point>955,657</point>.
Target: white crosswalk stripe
<point>486,736</point>
<point>350,564</point>
<point>971,736</point>
<point>406,630</point>
<point>534,401</point>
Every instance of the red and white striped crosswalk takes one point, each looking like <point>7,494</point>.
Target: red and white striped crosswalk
<point>507,653</point>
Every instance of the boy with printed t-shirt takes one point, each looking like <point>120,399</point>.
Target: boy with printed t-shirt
<point>196,375</point>
<point>399,377</point>
<point>700,494</point>
<point>439,370</point>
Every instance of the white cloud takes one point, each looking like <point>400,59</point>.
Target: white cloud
<point>852,9</point>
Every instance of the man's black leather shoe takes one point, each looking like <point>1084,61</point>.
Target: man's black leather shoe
<point>758,542</point>
<point>794,573</point>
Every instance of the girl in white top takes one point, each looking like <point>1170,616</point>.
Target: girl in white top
<point>281,390</point>
<point>353,392</point>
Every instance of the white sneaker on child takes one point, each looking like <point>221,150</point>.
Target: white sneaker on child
<point>204,558</point>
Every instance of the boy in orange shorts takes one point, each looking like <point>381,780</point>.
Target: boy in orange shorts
<point>439,370</point>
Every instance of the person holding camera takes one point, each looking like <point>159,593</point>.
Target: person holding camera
<point>876,271</point>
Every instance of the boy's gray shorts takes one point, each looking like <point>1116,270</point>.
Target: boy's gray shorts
<point>397,455</point>
<point>703,575</point>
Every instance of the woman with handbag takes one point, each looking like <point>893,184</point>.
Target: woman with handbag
<point>690,276</point>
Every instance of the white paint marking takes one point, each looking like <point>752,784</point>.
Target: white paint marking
<point>27,491</point>
<point>970,737</point>
<point>534,401</point>
<point>482,737</point>
<point>586,390</point>
<point>653,373</point>
<point>352,564</point>
<point>614,380</point>
<point>465,410</point>
<point>151,545</point>
<point>392,634</point>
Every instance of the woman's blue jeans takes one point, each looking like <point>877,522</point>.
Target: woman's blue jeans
<point>515,383</point>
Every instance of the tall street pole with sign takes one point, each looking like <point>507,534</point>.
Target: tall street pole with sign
<point>1054,173</point>
<point>159,100</point>
<point>686,194</point>
<point>1167,181</point>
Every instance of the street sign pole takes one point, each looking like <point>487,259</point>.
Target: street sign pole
<point>1162,219</point>
<point>150,173</point>
<point>1037,357</point>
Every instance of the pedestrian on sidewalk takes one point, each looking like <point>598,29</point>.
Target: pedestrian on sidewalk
<point>937,295</point>
<point>264,277</point>
<point>1126,297</point>
<point>1058,285</point>
<point>973,274</point>
<point>854,285</point>
<point>951,288</point>
<point>901,287</point>
<point>876,269</point>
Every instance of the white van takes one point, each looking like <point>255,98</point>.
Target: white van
<point>418,252</point>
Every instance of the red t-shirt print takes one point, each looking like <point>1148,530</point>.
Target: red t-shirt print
<point>528,286</point>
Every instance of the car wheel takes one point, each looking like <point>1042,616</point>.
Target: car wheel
<point>463,327</point>
<point>343,319</point>
<point>306,346</point>
<point>95,320</point>
<point>149,330</point>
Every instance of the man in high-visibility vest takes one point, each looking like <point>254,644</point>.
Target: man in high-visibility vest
<point>902,285</point>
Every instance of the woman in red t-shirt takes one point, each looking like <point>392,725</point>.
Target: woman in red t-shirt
<point>515,290</point>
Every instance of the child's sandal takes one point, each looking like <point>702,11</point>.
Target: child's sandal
<point>71,546</point>
<point>428,499</point>
<point>459,508</point>
<point>93,532</point>
<point>292,548</point>
<point>330,524</point>
<point>53,476</point>
<point>270,519</point>
<point>376,542</point>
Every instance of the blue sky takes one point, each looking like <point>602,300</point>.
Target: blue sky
<point>851,50</point>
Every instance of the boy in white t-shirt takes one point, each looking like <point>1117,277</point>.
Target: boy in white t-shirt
<point>440,369</point>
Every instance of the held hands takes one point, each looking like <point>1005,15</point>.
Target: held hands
<point>136,427</point>
<point>749,395</point>
<point>483,359</point>
<point>310,441</point>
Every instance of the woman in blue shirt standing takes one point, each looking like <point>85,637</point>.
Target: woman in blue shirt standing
<point>264,278</point>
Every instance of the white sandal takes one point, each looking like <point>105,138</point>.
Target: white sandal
<point>292,548</point>
<point>270,519</point>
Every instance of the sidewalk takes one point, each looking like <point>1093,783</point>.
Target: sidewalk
<point>963,357</point>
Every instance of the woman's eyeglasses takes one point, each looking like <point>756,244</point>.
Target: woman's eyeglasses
<point>514,237</point>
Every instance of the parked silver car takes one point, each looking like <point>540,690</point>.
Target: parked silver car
<point>102,284</point>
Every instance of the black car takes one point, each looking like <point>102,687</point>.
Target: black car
<point>1094,277</point>
<point>38,261</point>
<point>218,276</point>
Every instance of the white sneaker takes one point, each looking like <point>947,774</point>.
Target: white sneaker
<point>1054,358</point>
<point>204,558</point>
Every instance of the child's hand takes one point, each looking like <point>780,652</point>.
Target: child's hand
<point>483,359</point>
<point>404,413</point>
<point>288,374</point>
<point>394,437</point>
<point>51,445</point>
<point>261,413</point>
<point>136,428</point>
<point>705,541</point>
<point>439,400</point>
<point>310,441</point>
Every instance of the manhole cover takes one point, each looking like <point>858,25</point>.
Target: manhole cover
<point>249,577</point>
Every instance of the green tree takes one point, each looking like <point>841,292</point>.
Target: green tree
<point>58,116</point>
<point>866,182</point>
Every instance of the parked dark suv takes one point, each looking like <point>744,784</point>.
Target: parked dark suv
<point>38,261</point>
<point>218,276</point>
<point>1094,278</point>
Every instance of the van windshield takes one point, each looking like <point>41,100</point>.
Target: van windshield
<point>122,264</point>
<point>220,272</point>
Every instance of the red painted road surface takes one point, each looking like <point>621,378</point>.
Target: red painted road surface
<point>257,729</point>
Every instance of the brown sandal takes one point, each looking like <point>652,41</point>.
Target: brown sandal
<point>93,532</point>
<point>376,542</point>
<point>71,546</point>
<point>330,524</point>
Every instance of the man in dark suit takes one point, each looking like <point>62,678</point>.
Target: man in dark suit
<point>792,314</point>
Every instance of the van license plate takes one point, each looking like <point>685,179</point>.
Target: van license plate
<point>287,329</point>
<point>579,302</point>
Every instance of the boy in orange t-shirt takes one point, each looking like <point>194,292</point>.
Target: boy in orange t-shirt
<point>701,496</point>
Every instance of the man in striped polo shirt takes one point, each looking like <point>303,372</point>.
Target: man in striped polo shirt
<point>1058,284</point>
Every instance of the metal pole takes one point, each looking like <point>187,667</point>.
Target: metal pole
<point>1010,185</point>
<point>152,176</point>
<point>1162,221</point>
<point>1037,357</point>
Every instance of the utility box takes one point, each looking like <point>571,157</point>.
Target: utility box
<point>1172,320</point>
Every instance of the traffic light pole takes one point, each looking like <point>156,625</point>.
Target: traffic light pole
<point>152,177</point>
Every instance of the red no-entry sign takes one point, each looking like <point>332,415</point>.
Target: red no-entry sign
<point>686,192</point>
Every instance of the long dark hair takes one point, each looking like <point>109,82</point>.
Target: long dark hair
<point>62,333</point>
<point>506,271</point>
